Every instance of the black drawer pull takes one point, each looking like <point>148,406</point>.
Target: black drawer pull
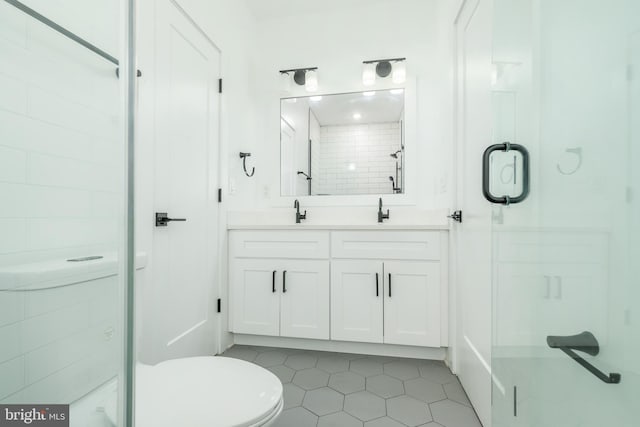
<point>284,282</point>
<point>273,282</point>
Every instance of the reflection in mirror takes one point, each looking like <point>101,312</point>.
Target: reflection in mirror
<point>344,144</point>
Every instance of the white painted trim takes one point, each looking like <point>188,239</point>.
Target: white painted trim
<point>429,353</point>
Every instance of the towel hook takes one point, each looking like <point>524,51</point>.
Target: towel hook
<point>244,156</point>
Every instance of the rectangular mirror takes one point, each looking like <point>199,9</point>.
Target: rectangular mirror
<point>343,144</point>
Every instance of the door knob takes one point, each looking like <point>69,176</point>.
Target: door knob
<point>162,220</point>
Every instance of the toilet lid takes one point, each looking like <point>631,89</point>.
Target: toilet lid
<point>206,392</point>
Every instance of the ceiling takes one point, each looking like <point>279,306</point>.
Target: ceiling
<point>262,9</point>
<point>383,107</point>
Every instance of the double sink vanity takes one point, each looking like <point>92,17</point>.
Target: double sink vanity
<point>380,284</point>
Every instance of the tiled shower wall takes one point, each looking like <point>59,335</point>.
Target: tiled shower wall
<point>61,185</point>
<point>355,159</point>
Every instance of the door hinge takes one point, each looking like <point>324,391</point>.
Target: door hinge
<point>219,195</point>
<point>219,305</point>
<point>219,85</point>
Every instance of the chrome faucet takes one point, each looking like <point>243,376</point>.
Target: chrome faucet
<point>299,216</point>
<point>382,216</point>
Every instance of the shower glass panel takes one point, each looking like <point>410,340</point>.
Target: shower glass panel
<point>63,193</point>
<point>566,85</point>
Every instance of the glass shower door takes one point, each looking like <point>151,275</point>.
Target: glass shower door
<point>63,198</point>
<point>566,295</point>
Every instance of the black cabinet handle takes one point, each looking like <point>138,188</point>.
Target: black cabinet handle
<point>273,282</point>
<point>389,285</point>
<point>486,173</point>
<point>377,286</point>
<point>284,282</point>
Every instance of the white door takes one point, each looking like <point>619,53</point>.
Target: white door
<point>357,297</point>
<point>412,303</point>
<point>184,258</point>
<point>472,238</point>
<point>305,299</point>
<point>288,173</point>
<point>255,296</point>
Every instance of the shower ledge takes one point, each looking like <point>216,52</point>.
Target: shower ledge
<point>60,273</point>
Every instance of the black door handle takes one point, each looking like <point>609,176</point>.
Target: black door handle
<point>377,286</point>
<point>273,282</point>
<point>162,220</point>
<point>284,282</point>
<point>389,285</point>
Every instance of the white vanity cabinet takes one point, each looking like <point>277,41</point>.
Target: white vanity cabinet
<point>274,290</point>
<point>394,298</point>
<point>364,286</point>
<point>540,277</point>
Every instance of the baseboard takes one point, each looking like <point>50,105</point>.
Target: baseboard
<point>390,350</point>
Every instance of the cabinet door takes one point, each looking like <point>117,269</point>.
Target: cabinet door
<point>412,303</point>
<point>305,299</point>
<point>256,307</point>
<point>357,297</point>
<point>579,300</point>
<point>524,293</point>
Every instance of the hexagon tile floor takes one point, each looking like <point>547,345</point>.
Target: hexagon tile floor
<point>349,390</point>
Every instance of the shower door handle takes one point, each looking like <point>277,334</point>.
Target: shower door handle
<point>486,174</point>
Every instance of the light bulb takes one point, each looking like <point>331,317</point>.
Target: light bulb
<point>399,72</point>
<point>285,82</point>
<point>311,84</point>
<point>369,74</point>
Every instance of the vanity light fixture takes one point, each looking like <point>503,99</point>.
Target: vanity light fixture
<point>307,77</point>
<point>369,74</point>
<point>396,67</point>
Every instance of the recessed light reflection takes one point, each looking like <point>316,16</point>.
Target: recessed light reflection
<point>397,91</point>
<point>291,100</point>
<point>357,116</point>
<point>369,93</point>
<point>316,98</point>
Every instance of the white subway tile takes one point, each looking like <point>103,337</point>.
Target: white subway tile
<point>12,374</point>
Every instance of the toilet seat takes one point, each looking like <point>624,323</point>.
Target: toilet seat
<point>206,392</point>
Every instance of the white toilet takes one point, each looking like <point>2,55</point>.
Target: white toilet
<point>205,392</point>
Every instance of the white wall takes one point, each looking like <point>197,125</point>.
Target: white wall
<point>230,26</point>
<point>337,41</point>
<point>61,186</point>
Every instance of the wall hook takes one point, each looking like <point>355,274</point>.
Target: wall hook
<point>577,152</point>
<point>244,156</point>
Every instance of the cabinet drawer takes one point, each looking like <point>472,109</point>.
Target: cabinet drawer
<point>279,244</point>
<point>552,247</point>
<point>404,245</point>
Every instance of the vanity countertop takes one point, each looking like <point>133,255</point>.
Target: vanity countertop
<point>376,227</point>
